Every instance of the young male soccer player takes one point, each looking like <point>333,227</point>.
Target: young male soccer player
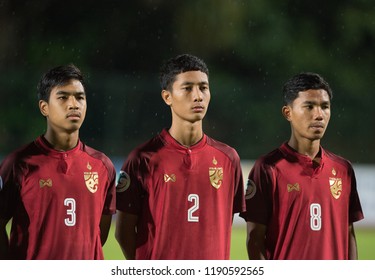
<point>59,192</point>
<point>302,200</point>
<point>177,193</point>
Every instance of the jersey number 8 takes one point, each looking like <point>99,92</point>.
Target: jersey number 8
<point>315,216</point>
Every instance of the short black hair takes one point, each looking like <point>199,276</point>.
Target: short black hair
<point>57,76</point>
<point>177,65</point>
<point>302,82</point>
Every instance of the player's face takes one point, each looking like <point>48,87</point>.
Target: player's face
<point>190,96</point>
<point>66,108</point>
<point>309,114</point>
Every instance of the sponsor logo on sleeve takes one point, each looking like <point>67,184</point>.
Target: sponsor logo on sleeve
<point>123,182</point>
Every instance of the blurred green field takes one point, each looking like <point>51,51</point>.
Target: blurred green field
<point>365,241</point>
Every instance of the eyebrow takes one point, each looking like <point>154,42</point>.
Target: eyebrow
<point>308,102</point>
<point>62,92</point>
<point>192,83</point>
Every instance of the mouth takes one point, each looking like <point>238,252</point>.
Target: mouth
<point>198,109</point>
<point>73,116</point>
<point>317,126</point>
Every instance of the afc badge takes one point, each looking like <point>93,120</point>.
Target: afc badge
<point>251,189</point>
<point>216,175</point>
<point>123,182</point>
<point>335,185</point>
<point>91,179</point>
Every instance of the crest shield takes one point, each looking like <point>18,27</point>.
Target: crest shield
<point>216,176</point>
<point>335,185</point>
<point>91,181</point>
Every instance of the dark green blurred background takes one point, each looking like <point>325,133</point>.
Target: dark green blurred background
<point>251,48</point>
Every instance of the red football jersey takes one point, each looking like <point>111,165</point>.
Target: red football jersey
<point>56,200</point>
<point>307,208</point>
<point>185,198</point>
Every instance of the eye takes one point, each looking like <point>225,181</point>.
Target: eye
<point>204,88</point>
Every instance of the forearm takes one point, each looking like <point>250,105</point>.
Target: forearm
<point>4,245</point>
<point>126,233</point>
<point>353,251</point>
<point>127,244</point>
<point>255,251</point>
<point>256,241</point>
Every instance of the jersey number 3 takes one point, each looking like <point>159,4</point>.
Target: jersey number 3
<point>70,211</point>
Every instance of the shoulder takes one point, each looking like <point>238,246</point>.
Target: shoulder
<point>21,153</point>
<point>337,159</point>
<point>148,148</point>
<point>224,148</point>
<point>271,158</point>
<point>98,155</point>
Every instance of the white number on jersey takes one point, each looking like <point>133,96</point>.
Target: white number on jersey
<point>315,216</point>
<point>195,199</point>
<point>70,211</point>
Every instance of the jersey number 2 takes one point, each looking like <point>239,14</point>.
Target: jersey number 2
<point>195,199</point>
<point>70,211</point>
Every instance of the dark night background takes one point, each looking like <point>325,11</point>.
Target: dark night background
<point>251,48</point>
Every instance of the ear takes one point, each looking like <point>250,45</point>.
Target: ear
<point>43,107</point>
<point>167,97</point>
<point>286,111</point>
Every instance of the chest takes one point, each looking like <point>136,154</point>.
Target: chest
<point>326,184</point>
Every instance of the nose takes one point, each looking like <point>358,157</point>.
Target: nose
<point>198,96</point>
<point>318,114</point>
<point>73,102</point>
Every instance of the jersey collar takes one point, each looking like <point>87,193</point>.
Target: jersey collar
<point>169,140</point>
<point>43,144</point>
<point>293,156</point>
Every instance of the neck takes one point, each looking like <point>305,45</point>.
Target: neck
<point>187,134</point>
<point>62,141</point>
<point>306,147</point>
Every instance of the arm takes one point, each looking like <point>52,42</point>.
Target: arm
<point>4,240</point>
<point>256,241</point>
<point>353,253</point>
<point>105,224</point>
<point>126,233</point>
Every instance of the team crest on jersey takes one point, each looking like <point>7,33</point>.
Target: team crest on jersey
<point>45,183</point>
<point>123,182</point>
<point>251,189</point>
<point>216,175</point>
<point>91,179</point>
<point>335,185</point>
